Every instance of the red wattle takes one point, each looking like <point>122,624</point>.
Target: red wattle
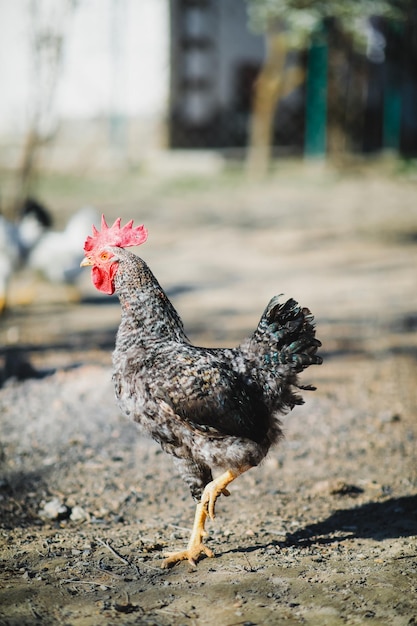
<point>103,280</point>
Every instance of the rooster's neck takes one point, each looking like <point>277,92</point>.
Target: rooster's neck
<point>147,313</point>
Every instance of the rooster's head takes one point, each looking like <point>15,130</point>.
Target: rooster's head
<point>99,255</point>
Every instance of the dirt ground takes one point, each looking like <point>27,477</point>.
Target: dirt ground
<point>324,532</point>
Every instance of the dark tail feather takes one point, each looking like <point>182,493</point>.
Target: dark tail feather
<point>286,336</point>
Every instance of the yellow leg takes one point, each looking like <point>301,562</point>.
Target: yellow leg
<point>205,508</point>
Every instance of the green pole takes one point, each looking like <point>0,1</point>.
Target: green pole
<point>391,129</point>
<point>316,97</point>
<point>392,117</point>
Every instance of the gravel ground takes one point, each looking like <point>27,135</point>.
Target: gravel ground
<point>324,532</point>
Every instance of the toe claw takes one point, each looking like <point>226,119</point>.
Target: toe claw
<point>191,555</point>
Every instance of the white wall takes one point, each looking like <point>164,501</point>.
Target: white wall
<point>14,65</point>
<point>115,60</point>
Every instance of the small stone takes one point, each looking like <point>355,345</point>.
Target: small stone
<point>78,514</point>
<point>55,509</point>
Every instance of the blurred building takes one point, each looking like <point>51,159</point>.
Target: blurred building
<point>214,62</point>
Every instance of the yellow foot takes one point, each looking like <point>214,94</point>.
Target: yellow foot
<point>195,546</point>
<point>191,554</point>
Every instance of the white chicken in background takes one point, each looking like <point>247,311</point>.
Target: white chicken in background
<point>30,244</point>
<point>18,239</point>
<point>33,222</point>
<point>65,248</point>
<point>9,257</point>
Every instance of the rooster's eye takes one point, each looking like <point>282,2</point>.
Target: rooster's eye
<point>104,256</point>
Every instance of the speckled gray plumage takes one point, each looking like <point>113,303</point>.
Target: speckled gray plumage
<point>209,408</point>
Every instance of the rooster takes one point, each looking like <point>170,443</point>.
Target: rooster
<point>210,408</point>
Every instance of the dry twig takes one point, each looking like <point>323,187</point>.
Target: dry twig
<point>113,551</point>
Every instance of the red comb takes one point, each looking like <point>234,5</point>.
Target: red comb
<point>116,236</point>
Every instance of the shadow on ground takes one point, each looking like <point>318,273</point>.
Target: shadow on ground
<point>390,519</point>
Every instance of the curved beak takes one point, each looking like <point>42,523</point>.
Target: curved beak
<point>86,262</point>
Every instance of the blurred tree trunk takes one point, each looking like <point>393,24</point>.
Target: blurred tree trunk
<point>48,26</point>
<point>26,174</point>
<point>275,81</point>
